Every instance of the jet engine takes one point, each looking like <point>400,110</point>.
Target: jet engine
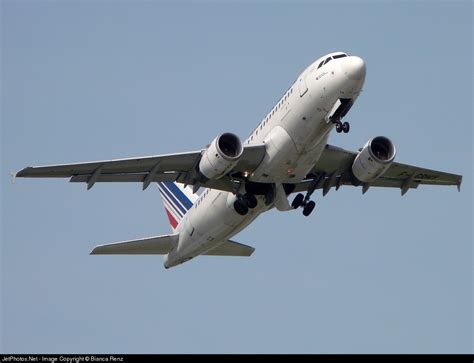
<point>221,156</point>
<point>374,159</point>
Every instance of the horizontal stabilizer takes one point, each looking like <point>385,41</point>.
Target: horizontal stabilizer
<point>230,248</point>
<point>159,245</point>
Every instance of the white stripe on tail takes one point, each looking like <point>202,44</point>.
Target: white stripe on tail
<point>177,200</point>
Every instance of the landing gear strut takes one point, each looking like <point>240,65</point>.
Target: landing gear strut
<point>303,201</point>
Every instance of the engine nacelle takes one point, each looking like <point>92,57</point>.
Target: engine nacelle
<point>221,156</point>
<point>374,159</point>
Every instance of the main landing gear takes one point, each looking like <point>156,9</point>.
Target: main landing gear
<point>301,201</point>
<point>245,202</point>
<point>340,126</point>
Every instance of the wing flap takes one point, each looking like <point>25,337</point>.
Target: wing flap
<point>230,248</point>
<point>159,245</point>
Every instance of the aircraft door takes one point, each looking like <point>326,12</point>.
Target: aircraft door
<point>302,85</point>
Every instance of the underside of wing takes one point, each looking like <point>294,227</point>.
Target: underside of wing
<point>230,248</point>
<point>334,169</point>
<point>131,166</point>
<point>182,168</point>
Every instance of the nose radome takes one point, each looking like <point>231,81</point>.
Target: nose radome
<point>354,68</point>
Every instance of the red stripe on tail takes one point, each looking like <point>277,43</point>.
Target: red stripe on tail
<point>171,218</point>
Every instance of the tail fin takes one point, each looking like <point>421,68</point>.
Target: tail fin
<point>177,200</point>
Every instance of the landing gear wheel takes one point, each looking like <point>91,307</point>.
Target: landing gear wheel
<point>346,127</point>
<point>339,127</point>
<point>298,201</point>
<point>241,207</point>
<point>250,200</point>
<point>308,208</point>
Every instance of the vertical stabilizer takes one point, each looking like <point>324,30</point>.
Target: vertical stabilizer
<point>177,200</point>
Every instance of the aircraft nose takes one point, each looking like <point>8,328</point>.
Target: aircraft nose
<point>354,68</point>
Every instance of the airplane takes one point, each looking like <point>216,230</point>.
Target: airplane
<point>286,153</point>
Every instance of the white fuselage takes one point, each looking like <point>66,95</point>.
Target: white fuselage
<point>294,132</point>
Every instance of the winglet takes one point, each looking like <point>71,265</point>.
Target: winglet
<point>459,183</point>
<point>23,172</point>
<point>13,175</point>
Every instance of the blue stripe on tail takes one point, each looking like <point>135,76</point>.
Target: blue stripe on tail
<point>176,211</point>
<point>176,200</point>
<point>173,199</point>
<point>185,201</point>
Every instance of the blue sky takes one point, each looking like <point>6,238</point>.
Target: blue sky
<point>98,80</point>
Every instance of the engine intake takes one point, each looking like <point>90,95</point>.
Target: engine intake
<point>221,156</point>
<point>374,159</point>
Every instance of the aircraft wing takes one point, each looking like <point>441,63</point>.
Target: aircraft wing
<point>180,167</point>
<point>334,169</point>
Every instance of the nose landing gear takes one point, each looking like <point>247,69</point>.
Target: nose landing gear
<point>339,110</point>
<point>342,127</point>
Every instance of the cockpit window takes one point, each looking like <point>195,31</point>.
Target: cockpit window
<point>326,61</point>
